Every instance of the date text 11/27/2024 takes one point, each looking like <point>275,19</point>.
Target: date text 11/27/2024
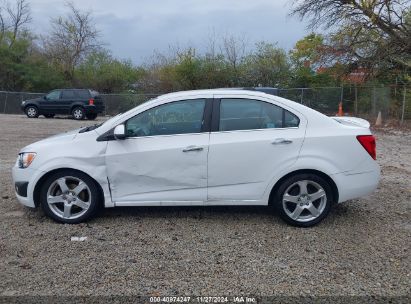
<point>207,299</point>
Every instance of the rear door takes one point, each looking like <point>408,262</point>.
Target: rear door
<point>68,97</point>
<point>251,141</point>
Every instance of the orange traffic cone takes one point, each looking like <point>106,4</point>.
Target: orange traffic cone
<point>379,119</point>
<point>340,110</point>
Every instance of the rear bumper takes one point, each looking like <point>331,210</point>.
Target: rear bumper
<point>355,185</point>
<point>94,109</point>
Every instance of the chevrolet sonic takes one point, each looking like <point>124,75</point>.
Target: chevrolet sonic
<point>205,147</point>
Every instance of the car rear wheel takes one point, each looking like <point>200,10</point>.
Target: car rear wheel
<point>91,116</point>
<point>304,200</point>
<point>70,197</point>
<point>32,112</point>
<point>77,113</point>
<point>49,115</point>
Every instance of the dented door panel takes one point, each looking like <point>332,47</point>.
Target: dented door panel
<point>158,169</point>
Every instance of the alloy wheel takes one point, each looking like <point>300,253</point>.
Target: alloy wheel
<point>31,112</point>
<point>304,200</point>
<point>69,197</point>
<point>78,113</point>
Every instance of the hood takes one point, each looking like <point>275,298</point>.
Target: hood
<point>32,100</point>
<point>58,138</point>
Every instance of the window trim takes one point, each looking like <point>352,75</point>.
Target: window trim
<point>206,119</point>
<point>215,120</point>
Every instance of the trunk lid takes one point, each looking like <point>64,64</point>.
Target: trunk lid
<point>352,121</point>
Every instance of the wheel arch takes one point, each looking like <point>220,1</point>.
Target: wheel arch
<point>302,171</point>
<point>37,187</point>
<point>32,105</point>
<point>76,105</point>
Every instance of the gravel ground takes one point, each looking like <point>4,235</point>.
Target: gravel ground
<point>362,248</point>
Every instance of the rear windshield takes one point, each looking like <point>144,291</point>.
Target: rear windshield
<point>94,93</point>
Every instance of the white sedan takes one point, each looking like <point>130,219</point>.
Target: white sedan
<point>205,147</point>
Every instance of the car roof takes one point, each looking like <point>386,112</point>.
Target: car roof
<point>316,117</point>
<point>225,91</point>
<point>69,89</point>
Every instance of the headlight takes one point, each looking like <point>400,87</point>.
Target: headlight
<point>25,159</point>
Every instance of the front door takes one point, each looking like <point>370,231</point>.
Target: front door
<point>163,160</point>
<point>252,142</point>
<point>50,102</point>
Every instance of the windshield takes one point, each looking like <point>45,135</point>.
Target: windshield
<point>110,120</point>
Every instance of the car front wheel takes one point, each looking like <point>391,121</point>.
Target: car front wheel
<point>77,113</point>
<point>32,112</point>
<point>304,200</point>
<point>69,196</point>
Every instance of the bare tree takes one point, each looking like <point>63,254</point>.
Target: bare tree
<point>211,44</point>
<point>234,49</point>
<point>72,38</point>
<point>2,25</point>
<point>19,16</point>
<point>372,31</point>
<point>13,18</point>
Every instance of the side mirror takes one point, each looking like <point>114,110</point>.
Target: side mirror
<point>45,97</point>
<point>120,132</point>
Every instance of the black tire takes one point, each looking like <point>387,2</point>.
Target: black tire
<point>91,116</point>
<point>94,197</point>
<point>77,113</point>
<point>49,115</point>
<point>323,206</point>
<point>32,111</point>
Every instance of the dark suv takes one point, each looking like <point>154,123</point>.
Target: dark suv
<point>79,103</point>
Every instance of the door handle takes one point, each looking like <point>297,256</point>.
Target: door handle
<point>282,141</point>
<point>193,148</point>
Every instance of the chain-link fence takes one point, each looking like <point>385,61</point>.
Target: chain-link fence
<point>394,102</point>
<point>10,102</point>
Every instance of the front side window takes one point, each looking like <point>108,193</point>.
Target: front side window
<point>179,117</point>
<point>53,95</point>
<point>250,114</point>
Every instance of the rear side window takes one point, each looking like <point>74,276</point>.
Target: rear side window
<point>250,114</point>
<point>179,117</point>
<point>290,120</point>
<point>82,94</point>
<point>68,94</point>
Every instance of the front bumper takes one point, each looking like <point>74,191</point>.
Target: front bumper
<point>25,180</point>
<point>21,188</point>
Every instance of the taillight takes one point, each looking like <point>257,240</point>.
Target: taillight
<point>91,102</point>
<point>368,142</point>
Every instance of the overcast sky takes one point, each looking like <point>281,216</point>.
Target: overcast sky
<point>134,29</point>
